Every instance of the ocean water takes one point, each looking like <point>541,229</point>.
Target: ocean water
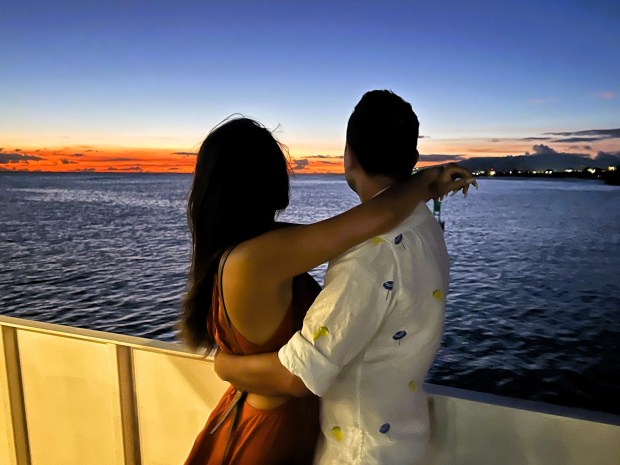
<point>533,311</point>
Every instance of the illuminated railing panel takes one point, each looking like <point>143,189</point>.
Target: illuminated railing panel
<point>78,397</point>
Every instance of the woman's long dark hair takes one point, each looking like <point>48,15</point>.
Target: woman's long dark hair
<point>240,182</point>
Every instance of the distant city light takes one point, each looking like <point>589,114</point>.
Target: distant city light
<point>598,172</point>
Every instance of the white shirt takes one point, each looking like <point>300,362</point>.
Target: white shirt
<point>368,341</point>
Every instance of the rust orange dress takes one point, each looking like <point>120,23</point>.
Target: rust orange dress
<point>239,434</point>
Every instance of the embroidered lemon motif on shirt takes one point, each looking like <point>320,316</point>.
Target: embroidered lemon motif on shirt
<point>319,332</point>
<point>438,294</point>
<point>413,386</point>
<point>337,433</point>
<point>376,240</point>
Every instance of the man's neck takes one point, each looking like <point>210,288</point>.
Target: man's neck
<point>370,187</point>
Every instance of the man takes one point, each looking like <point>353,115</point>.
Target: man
<point>372,333</point>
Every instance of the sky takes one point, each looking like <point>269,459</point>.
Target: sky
<point>137,85</point>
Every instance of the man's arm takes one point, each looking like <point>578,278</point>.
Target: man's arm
<point>262,374</point>
<point>342,320</point>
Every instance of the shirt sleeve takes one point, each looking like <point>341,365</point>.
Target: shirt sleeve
<point>359,292</point>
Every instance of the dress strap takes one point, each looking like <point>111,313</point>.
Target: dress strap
<point>234,410</point>
<point>239,398</point>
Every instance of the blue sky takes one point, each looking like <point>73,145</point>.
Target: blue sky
<point>162,73</point>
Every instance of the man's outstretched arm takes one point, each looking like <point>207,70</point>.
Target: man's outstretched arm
<point>262,374</point>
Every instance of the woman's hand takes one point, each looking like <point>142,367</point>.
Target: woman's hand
<point>219,364</point>
<point>445,179</point>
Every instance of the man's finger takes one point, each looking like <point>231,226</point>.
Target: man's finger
<point>456,171</point>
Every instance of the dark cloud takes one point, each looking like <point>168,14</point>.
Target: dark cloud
<point>423,137</point>
<point>86,170</point>
<point>440,158</point>
<point>608,158</point>
<point>17,150</point>
<point>78,154</point>
<point>610,133</point>
<point>183,153</point>
<point>6,158</point>
<point>68,162</point>
<point>328,162</point>
<point>588,135</point>
<point>300,163</point>
<point>122,159</point>
<point>542,158</point>
<point>574,140</point>
<point>533,139</point>
<point>129,168</point>
<point>542,149</point>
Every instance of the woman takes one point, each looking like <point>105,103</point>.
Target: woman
<point>249,289</point>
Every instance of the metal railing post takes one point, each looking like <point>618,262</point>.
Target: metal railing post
<point>16,395</point>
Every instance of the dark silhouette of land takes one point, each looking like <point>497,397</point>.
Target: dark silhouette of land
<point>546,162</point>
<point>610,176</point>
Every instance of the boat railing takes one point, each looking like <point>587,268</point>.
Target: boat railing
<point>76,396</point>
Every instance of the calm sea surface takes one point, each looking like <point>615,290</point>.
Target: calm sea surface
<point>534,307</point>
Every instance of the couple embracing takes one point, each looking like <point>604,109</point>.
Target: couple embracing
<point>357,350</point>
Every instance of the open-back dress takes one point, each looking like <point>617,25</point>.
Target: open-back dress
<point>237,433</point>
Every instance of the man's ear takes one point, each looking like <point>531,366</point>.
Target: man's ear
<point>350,159</point>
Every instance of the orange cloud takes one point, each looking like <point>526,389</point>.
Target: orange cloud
<point>317,164</point>
<point>100,158</point>
<point>131,160</point>
<point>96,159</point>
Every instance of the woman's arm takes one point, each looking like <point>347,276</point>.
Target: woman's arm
<point>287,252</point>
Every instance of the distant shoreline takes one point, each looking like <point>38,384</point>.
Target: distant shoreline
<point>123,173</point>
<point>609,177</point>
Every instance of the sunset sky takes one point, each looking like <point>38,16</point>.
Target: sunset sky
<point>136,85</point>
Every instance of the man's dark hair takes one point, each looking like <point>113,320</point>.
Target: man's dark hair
<point>383,133</point>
